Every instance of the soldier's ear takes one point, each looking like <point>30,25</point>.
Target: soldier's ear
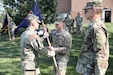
<point>94,11</point>
<point>32,24</point>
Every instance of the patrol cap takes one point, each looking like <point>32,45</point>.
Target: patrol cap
<point>33,17</point>
<point>94,4</point>
<point>59,19</point>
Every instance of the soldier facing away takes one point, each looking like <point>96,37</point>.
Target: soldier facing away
<point>61,42</point>
<point>31,45</point>
<point>94,54</point>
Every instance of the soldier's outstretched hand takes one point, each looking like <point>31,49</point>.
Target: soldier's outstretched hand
<point>51,51</point>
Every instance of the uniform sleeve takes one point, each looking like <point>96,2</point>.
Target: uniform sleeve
<point>99,41</point>
<point>37,45</point>
<point>68,42</point>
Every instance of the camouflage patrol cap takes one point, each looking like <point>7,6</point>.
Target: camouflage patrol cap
<point>33,17</point>
<point>94,4</point>
<point>59,19</point>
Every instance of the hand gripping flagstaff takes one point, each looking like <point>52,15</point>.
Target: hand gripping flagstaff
<point>53,57</point>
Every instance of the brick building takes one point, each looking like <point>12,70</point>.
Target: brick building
<point>74,6</point>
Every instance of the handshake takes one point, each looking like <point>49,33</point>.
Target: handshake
<point>51,51</point>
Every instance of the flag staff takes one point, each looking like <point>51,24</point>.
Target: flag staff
<point>53,57</point>
<point>36,11</point>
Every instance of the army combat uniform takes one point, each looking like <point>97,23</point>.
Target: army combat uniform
<point>12,27</point>
<point>31,45</point>
<point>68,22</point>
<point>94,54</point>
<point>62,42</point>
<point>79,20</point>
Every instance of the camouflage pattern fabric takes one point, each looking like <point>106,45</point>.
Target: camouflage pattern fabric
<point>79,20</point>
<point>68,22</point>
<point>62,42</point>
<point>12,27</point>
<point>94,54</point>
<point>94,4</point>
<point>72,25</point>
<point>31,45</point>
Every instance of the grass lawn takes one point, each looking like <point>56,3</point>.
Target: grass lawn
<point>10,55</point>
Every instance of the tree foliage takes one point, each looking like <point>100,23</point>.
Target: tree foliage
<point>18,9</point>
<point>48,9</point>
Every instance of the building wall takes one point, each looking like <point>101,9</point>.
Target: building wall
<point>109,4</point>
<point>63,6</point>
<point>75,6</point>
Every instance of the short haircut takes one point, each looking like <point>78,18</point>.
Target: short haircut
<point>31,17</point>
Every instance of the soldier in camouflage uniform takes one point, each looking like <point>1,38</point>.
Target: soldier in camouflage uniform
<point>31,45</point>
<point>68,22</point>
<point>61,42</point>
<point>12,27</point>
<point>94,54</point>
<point>79,20</point>
<point>72,25</point>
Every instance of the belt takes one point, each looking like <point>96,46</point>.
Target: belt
<point>29,70</point>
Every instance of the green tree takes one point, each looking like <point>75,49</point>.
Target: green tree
<point>1,11</point>
<point>18,9</point>
<point>48,8</point>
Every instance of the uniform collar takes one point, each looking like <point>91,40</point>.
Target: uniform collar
<point>98,19</point>
<point>30,29</point>
<point>61,32</point>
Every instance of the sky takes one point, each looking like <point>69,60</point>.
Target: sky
<point>1,7</point>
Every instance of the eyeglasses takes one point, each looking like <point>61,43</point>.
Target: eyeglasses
<point>85,11</point>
